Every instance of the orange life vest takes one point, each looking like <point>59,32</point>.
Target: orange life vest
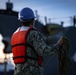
<point>18,43</point>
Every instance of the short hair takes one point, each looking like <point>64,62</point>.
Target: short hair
<point>26,22</point>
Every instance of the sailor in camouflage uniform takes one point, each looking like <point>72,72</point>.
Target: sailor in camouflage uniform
<point>35,40</point>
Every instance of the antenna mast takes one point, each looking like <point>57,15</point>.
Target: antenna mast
<point>9,5</point>
<point>9,1</point>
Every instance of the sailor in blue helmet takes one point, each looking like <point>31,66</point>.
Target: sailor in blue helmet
<point>28,46</point>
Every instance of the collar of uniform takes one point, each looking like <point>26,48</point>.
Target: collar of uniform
<point>24,28</point>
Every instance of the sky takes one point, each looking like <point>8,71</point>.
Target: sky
<point>54,9</point>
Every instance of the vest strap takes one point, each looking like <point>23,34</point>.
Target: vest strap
<point>25,57</point>
<point>19,44</point>
<point>24,44</point>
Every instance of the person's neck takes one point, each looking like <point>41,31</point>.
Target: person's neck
<point>31,26</point>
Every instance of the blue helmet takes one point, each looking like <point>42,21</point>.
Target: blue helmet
<point>26,13</point>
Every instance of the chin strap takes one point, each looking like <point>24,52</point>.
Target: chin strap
<point>64,63</point>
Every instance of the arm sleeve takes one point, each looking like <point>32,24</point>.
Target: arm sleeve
<point>37,41</point>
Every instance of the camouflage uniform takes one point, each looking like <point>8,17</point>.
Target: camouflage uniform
<point>31,67</point>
